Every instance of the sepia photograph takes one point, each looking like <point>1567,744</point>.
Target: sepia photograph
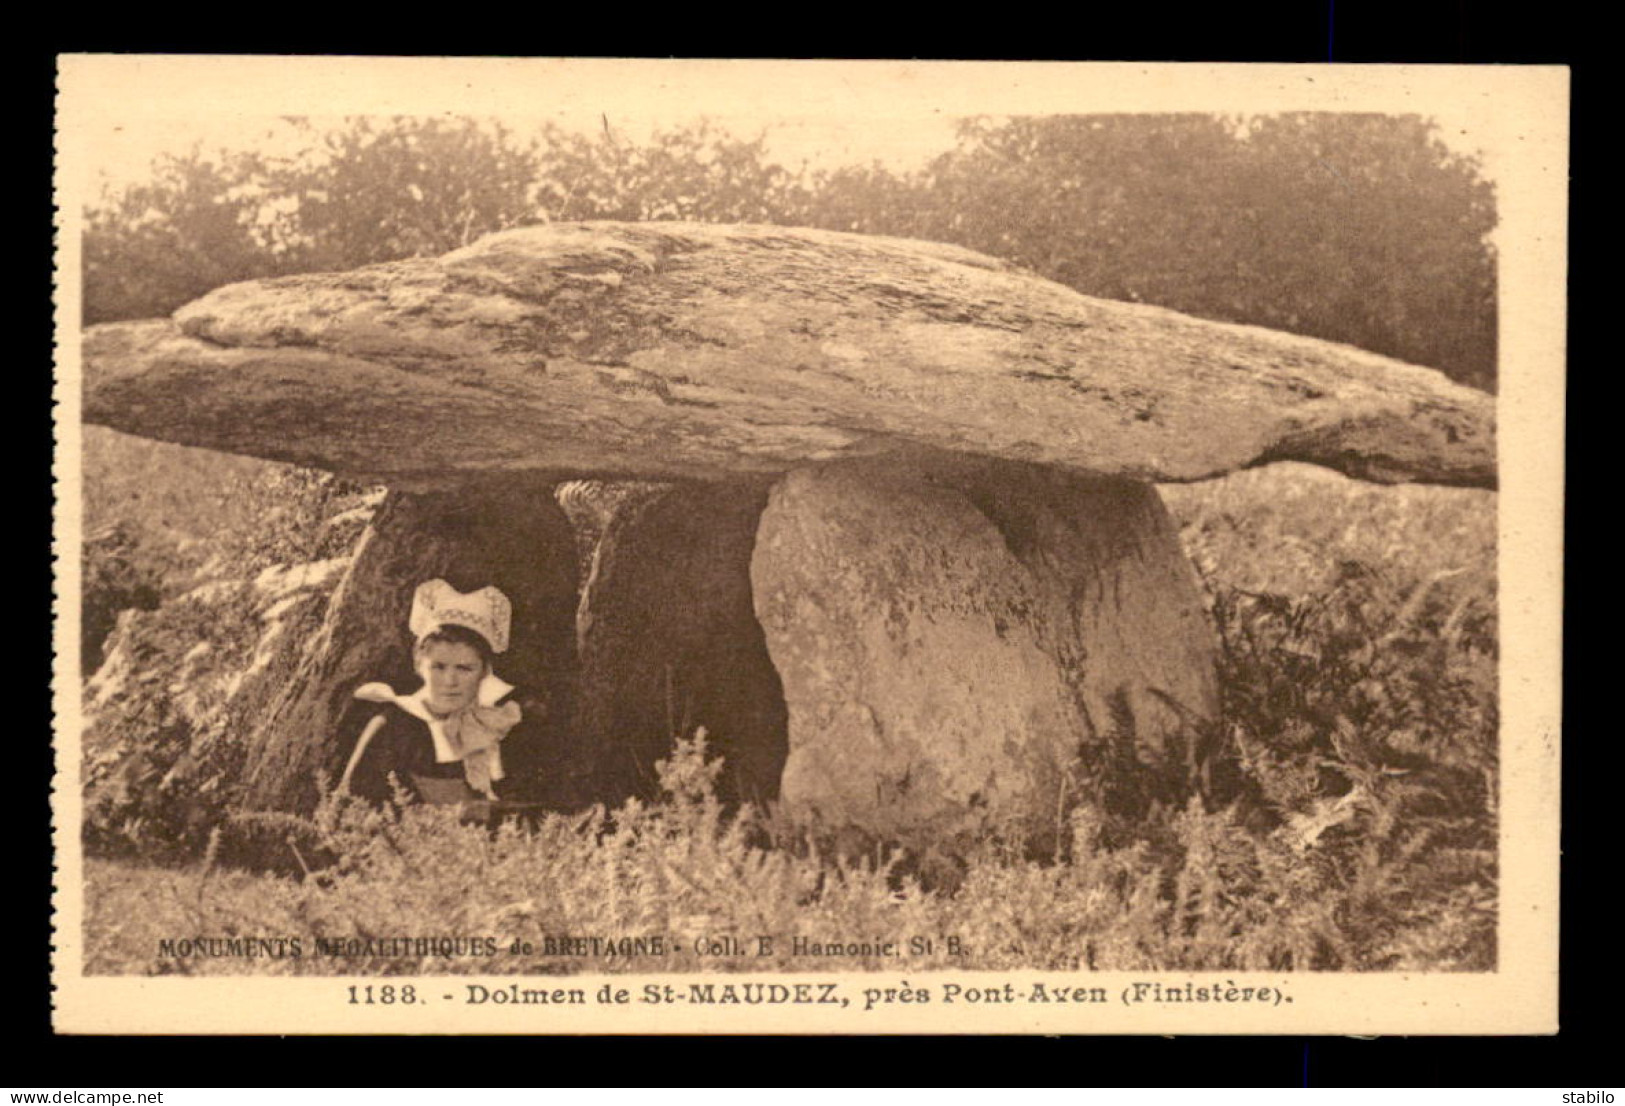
<point>832,546</point>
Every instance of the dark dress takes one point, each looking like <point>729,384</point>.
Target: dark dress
<point>402,745</point>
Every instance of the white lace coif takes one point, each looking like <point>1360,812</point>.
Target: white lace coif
<point>487,612</point>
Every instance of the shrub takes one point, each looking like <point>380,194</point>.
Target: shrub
<point>162,750</point>
<point>118,574</point>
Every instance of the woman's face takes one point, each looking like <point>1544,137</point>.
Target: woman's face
<point>452,673</point>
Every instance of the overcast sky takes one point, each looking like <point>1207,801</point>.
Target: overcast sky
<point>126,148</point>
<point>126,110</point>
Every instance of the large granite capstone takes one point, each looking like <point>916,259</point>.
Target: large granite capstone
<point>692,351</point>
<point>913,565</point>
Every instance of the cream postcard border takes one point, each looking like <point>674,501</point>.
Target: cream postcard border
<point>1517,116</point>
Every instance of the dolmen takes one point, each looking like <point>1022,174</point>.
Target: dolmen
<point>905,561</point>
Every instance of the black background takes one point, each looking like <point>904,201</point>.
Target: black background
<point>1584,1054</point>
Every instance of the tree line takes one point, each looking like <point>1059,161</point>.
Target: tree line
<point>1358,228</point>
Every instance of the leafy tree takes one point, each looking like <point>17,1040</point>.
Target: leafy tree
<point>1085,200</point>
<point>385,189</point>
<point>119,573</point>
<point>153,246</point>
<point>1357,228</point>
<point>693,173</point>
<point>870,199</point>
<point>1377,234</point>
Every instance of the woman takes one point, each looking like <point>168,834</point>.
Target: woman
<point>443,741</point>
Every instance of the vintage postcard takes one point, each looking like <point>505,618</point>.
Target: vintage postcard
<point>561,546</point>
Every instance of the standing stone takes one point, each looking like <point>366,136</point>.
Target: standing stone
<point>514,537</point>
<point>949,639</point>
<point>668,641</point>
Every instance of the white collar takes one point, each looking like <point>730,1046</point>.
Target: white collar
<point>491,690</point>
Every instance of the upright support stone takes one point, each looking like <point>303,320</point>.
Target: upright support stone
<point>514,537</point>
<point>947,639</point>
<point>668,641</point>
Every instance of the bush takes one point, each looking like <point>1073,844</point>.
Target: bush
<point>158,760</point>
<point>117,576</point>
<point>162,749</point>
